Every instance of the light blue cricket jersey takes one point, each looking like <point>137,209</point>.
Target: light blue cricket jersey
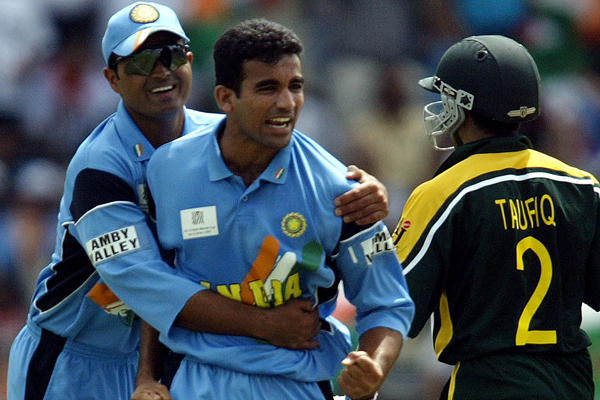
<point>105,192</point>
<point>264,244</point>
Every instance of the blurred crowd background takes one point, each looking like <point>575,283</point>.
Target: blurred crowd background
<point>362,61</point>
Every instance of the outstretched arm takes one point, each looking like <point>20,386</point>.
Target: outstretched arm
<point>368,367</point>
<point>365,204</point>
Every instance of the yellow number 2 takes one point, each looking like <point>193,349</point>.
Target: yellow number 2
<point>524,335</point>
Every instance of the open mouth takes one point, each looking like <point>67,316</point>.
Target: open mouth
<point>162,89</point>
<point>280,122</point>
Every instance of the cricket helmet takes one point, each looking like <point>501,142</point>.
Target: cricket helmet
<point>492,75</point>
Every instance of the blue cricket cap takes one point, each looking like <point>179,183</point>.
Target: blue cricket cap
<point>129,27</point>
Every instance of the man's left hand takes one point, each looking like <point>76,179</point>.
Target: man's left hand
<point>365,204</point>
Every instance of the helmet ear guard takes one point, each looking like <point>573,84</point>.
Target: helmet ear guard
<point>443,118</point>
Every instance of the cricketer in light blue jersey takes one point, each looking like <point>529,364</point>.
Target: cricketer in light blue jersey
<point>264,244</point>
<point>70,296</point>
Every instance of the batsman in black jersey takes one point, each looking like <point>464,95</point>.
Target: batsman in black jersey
<point>503,244</point>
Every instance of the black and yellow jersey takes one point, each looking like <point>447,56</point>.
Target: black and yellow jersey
<point>503,246</point>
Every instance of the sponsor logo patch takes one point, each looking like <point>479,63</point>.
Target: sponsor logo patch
<point>381,242</point>
<point>402,227</point>
<point>111,244</point>
<point>199,222</point>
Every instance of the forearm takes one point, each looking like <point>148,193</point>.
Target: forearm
<point>292,325</point>
<point>211,312</point>
<point>383,345</point>
<point>152,353</point>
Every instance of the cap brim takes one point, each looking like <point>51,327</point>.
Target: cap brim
<point>133,42</point>
<point>427,83</point>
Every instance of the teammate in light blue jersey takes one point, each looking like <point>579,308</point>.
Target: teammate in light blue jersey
<point>81,340</point>
<point>247,207</point>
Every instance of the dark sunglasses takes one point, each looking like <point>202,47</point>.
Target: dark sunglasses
<point>142,63</point>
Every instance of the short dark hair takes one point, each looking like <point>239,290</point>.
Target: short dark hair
<point>254,39</point>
